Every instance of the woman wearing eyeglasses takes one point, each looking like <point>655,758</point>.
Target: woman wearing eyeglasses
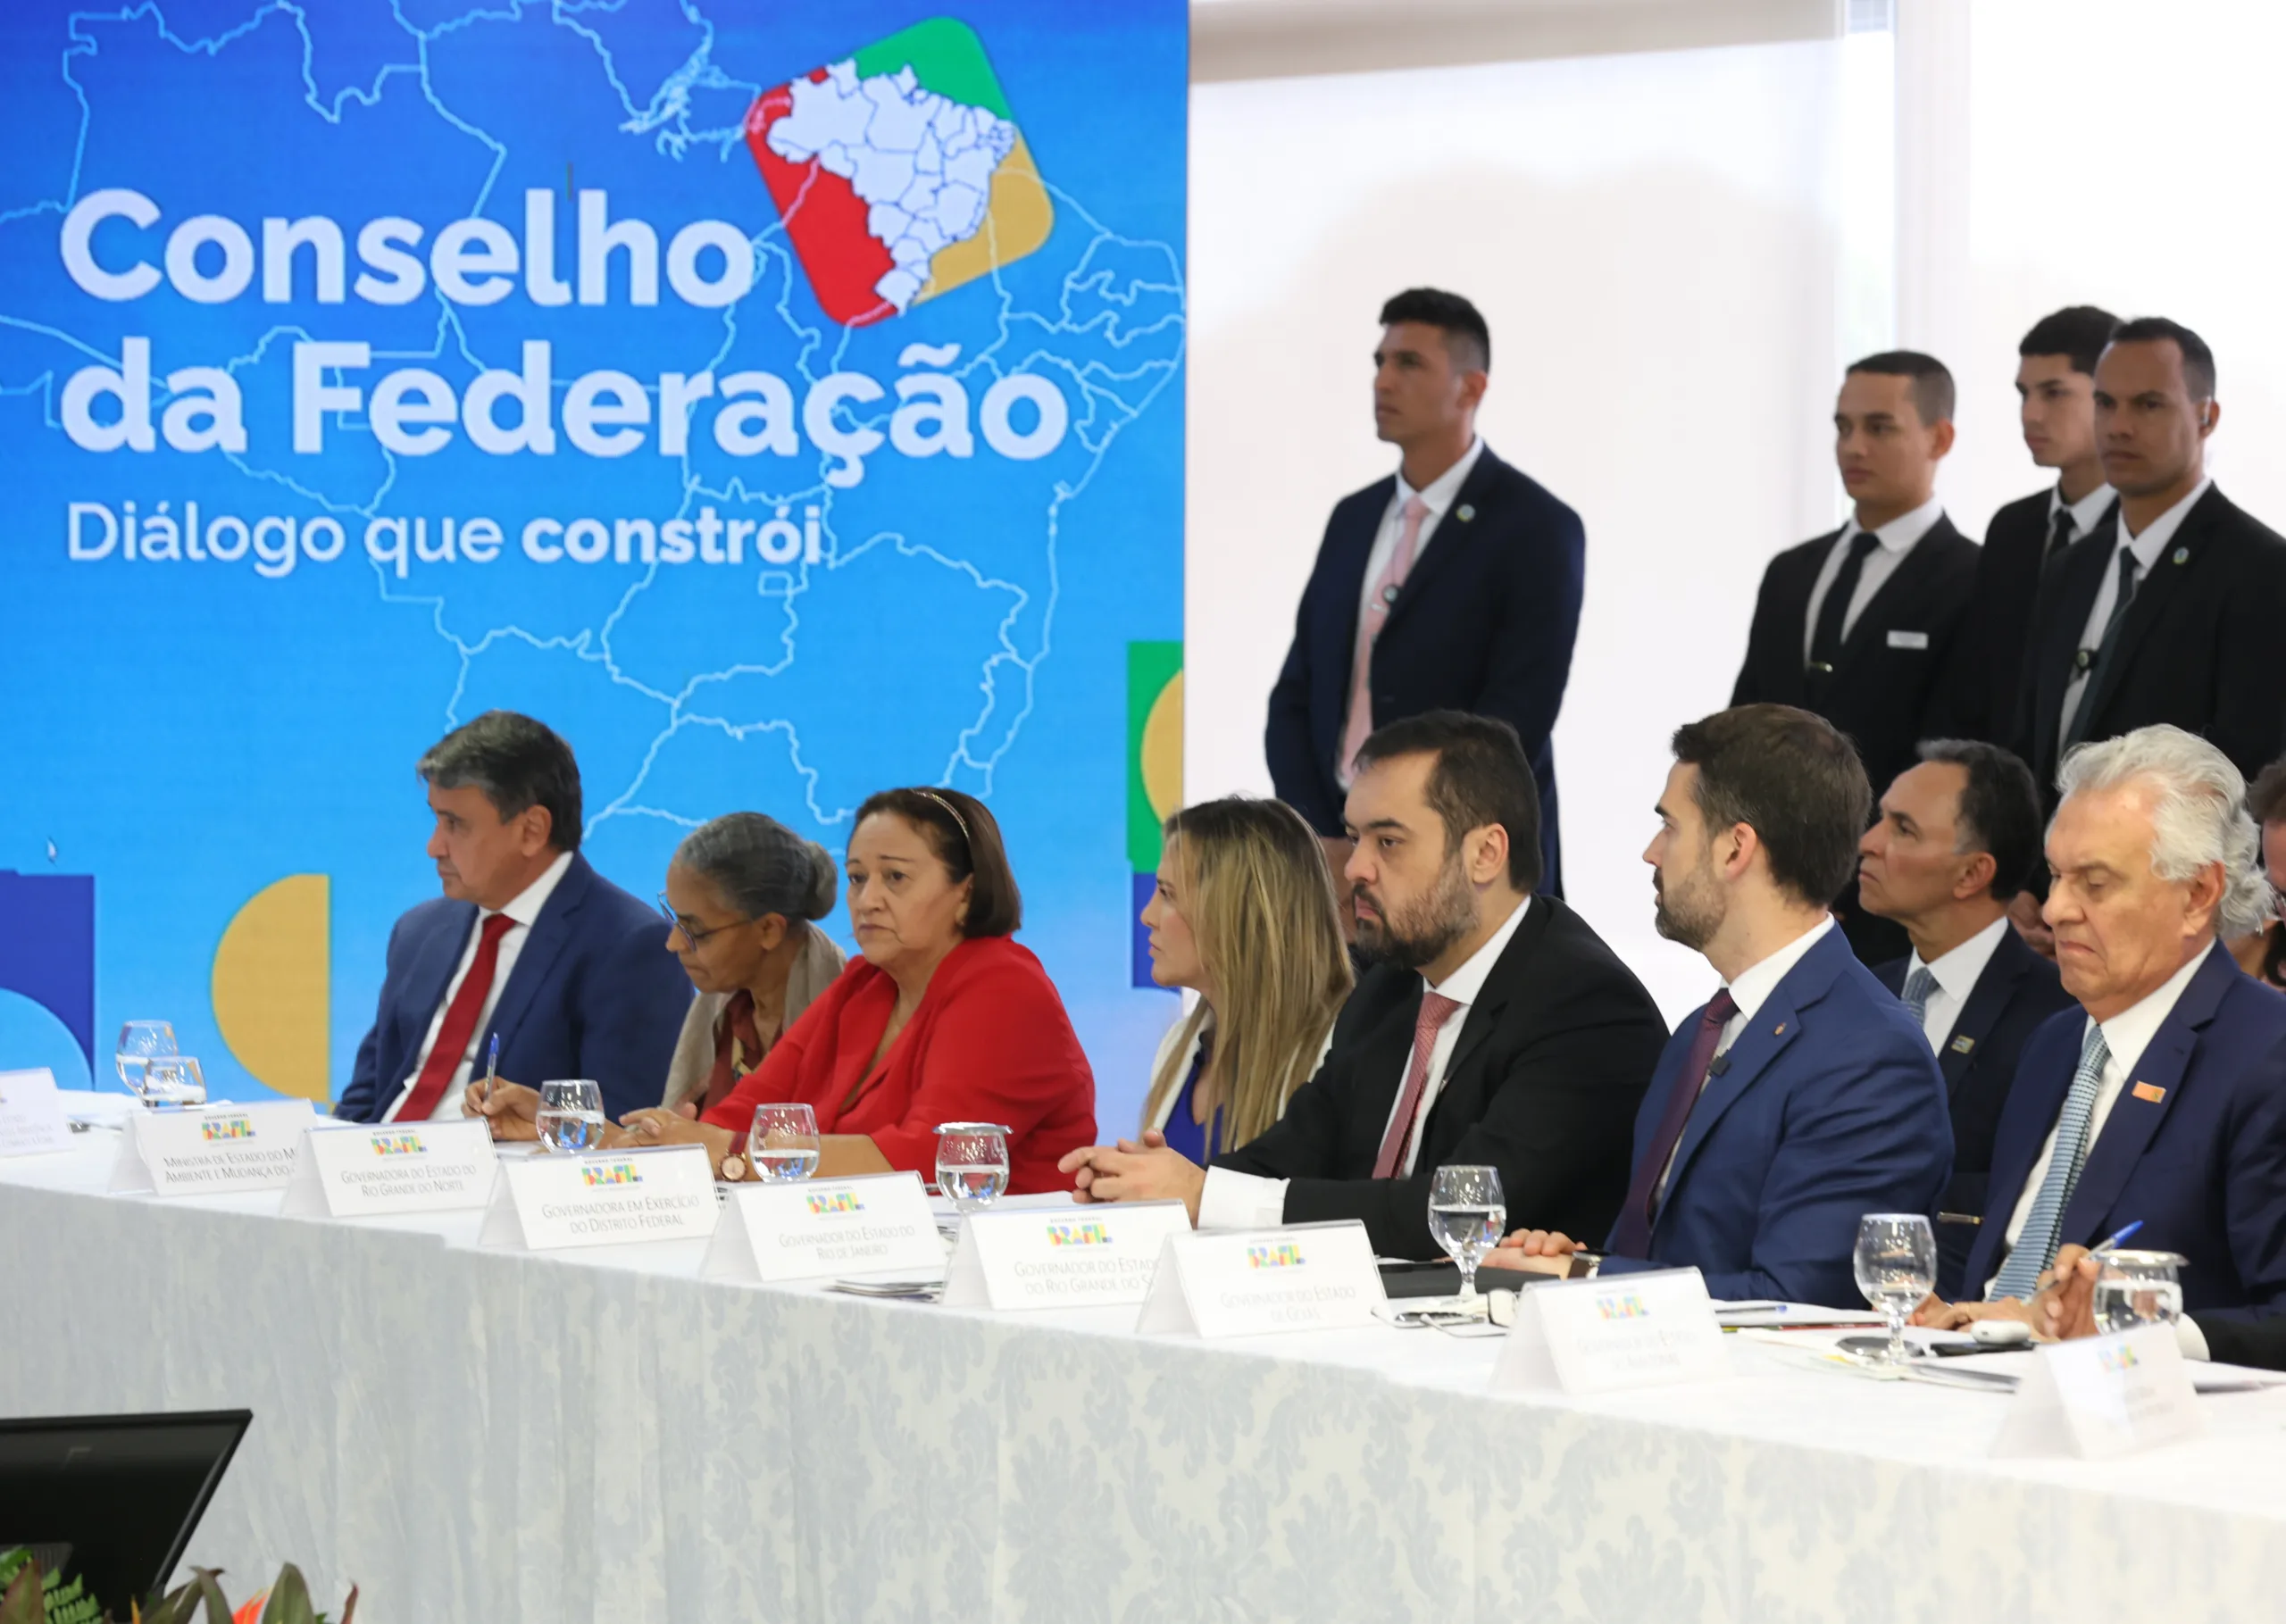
<point>742,894</point>
<point>944,1018</point>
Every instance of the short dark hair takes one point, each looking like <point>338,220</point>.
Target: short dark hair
<point>2197,360</point>
<point>2077,332</point>
<point>2266,795</point>
<point>518,763</point>
<point>1795,780</point>
<point>966,839</point>
<point>1932,384</point>
<point>1998,811</point>
<point>1481,777</point>
<point>1465,334</point>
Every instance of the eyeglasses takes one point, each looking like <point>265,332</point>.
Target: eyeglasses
<point>698,936</point>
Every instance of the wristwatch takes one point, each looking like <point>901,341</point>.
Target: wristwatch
<point>734,1165</point>
<point>1584,1265</point>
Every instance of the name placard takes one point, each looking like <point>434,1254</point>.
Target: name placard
<point>364,1171</point>
<point>1060,1257</point>
<point>31,1114</point>
<point>209,1150</point>
<point>2102,1397</point>
<point>1621,1330</point>
<point>543,1202</point>
<point>1246,1282</point>
<point>803,1230</point>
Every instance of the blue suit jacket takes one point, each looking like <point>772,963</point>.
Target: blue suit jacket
<point>594,993</point>
<point>1829,1106</point>
<point>2203,1164</point>
<point>1484,623</point>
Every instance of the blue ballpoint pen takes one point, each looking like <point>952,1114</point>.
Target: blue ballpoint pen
<point>492,1066</point>
<point>2125,1234</point>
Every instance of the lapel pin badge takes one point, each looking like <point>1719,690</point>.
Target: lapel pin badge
<point>2150,1092</point>
<point>2183,556</point>
<point>1962,1045</point>
<point>1781,1032</point>
<point>1465,513</point>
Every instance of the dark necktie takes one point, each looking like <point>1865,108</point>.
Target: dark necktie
<point>1825,642</point>
<point>1631,1236</point>
<point>2060,536</point>
<point>2083,714</point>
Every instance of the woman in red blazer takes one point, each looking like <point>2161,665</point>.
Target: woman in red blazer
<point>942,1017</point>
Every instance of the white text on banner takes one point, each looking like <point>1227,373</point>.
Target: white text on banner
<point>1622,1331</point>
<point>541,1203</point>
<point>211,1150</point>
<point>1244,1283</point>
<point>1060,1257</point>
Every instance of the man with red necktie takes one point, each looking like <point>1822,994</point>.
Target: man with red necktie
<point>1452,585</point>
<point>529,945</point>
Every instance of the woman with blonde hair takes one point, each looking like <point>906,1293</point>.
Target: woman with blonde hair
<point>1243,915</point>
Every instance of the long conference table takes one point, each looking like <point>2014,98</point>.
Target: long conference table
<point>473,1434</point>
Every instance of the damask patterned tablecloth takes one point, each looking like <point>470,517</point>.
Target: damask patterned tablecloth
<point>598,1434</point>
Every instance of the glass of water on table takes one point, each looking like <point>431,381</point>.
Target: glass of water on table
<point>2139,1288</point>
<point>139,1041</point>
<point>571,1116</point>
<point>971,1164</point>
<point>1467,1212</point>
<point>784,1144</point>
<point>1896,1265</point>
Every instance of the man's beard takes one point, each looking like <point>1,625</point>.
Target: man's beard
<point>1690,913</point>
<point>1419,932</point>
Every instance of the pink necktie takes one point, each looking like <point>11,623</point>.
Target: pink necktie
<point>1369,627</point>
<point>1435,1009</point>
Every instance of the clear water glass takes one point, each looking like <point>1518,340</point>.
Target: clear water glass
<point>138,1041</point>
<point>784,1144</point>
<point>1896,1264</point>
<point>570,1115</point>
<point>1467,1214</point>
<point>2138,1288</point>
<point>172,1079</point>
<point>971,1164</point>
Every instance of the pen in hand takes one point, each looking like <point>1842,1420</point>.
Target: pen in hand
<point>2126,1234</point>
<point>492,1067</point>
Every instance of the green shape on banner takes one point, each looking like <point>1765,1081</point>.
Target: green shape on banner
<point>1153,747</point>
<point>946,56</point>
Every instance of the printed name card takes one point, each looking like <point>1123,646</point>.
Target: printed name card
<point>358,1172</point>
<point>2103,1396</point>
<point>1244,1283</point>
<point>211,1150</point>
<point>803,1230</point>
<point>1616,1331</point>
<point>542,1203</point>
<point>1060,1257</point>
<point>31,1114</point>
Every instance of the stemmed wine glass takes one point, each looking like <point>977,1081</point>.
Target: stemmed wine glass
<point>1467,1212</point>
<point>1896,1264</point>
<point>784,1144</point>
<point>971,1164</point>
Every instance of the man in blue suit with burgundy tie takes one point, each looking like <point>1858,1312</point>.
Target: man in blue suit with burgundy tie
<point>1802,1096</point>
<point>528,945</point>
<point>1454,585</point>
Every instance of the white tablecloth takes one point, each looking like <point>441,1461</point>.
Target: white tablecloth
<point>599,1435</point>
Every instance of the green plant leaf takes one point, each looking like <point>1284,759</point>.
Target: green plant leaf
<point>289,1599</point>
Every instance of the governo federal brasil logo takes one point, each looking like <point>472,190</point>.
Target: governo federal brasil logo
<point>900,172</point>
<point>406,1143</point>
<point>1087,1233</point>
<point>1284,1254</point>
<point>1622,1305</point>
<point>609,1172</point>
<point>226,1128</point>
<point>834,1204</point>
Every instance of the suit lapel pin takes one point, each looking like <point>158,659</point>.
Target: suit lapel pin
<point>1465,512</point>
<point>2183,556</point>
<point>2150,1092</point>
<point>1780,1030</point>
<point>1962,1045</point>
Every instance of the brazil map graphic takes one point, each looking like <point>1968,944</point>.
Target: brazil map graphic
<point>782,403</point>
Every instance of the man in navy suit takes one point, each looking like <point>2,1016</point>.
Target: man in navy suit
<point>1453,585</point>
<point>527,944</point>
<point>2161,1099</point>
<point>1802,1096</point>
<point>1956,840</point>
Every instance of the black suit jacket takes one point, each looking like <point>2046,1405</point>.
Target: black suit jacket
<point>2017,991</point>
<point>1484,623</point>
<point>1984,679</point>
<point>2259,1343</point>
<point>1544,1081</point>
<point>2198,647</point>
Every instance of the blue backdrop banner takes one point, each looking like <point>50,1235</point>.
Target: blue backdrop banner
<point>783,402</point>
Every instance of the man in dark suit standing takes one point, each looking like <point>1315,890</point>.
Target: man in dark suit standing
<point>1453,585</point>
<point>2161,1099</point>
<point>2172,613</point>
<point>1955,840</point>
<point>1494,1027</point>
<point>2055,392</point>
<point>1801,1097</point>
<point>1855,625</point>
<point>528,945</point>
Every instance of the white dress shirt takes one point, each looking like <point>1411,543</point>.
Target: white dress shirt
<point>2085,511</point>
<point>1956,973</point>
<point>1895,538</point>
<point>523,910</point>
<point>2126,1035</point>
<point>1750,992</point>
<point>2147,548</point>
<point>1247,1201</point>
<point>1437,497</point>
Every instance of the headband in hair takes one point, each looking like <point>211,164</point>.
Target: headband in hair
<point>951,811</point>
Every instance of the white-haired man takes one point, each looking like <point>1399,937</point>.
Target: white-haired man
<point>2162,1099</point>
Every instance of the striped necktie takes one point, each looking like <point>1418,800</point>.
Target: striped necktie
<point>1918,987</point>
<point>2019,1277</point>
